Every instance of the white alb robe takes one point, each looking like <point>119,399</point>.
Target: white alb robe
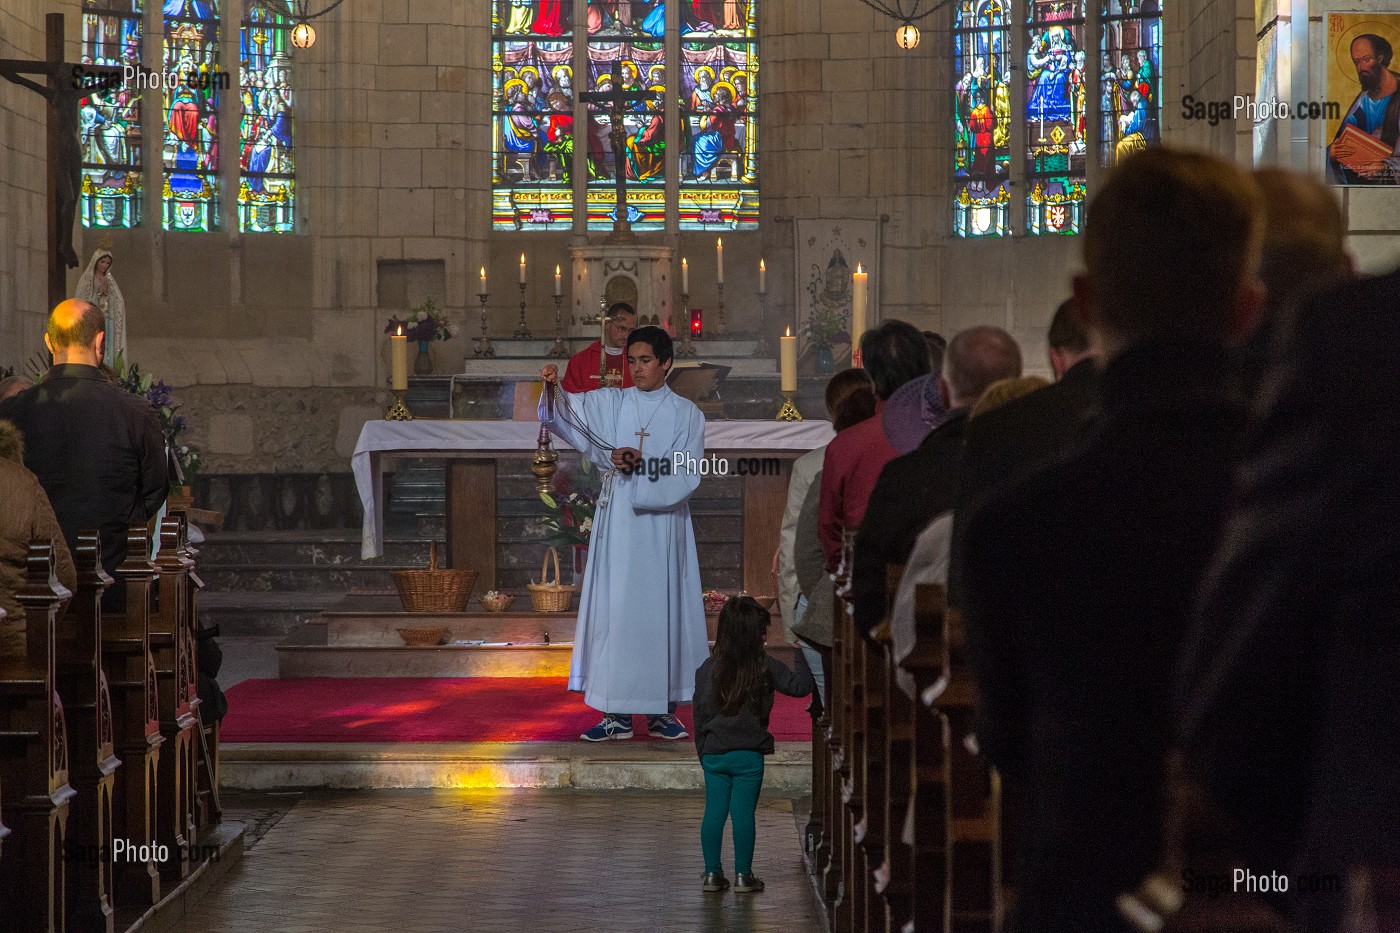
<point>641,622</point>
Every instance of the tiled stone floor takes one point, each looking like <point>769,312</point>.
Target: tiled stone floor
<point>424,861</point>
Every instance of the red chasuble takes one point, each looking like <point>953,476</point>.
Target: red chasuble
<point>581,375</point>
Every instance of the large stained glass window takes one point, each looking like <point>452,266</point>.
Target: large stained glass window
<point>532,169</point>
<point>719,96</point>
<point>712,92</point>
<point>982,119</point>
<point>1130,78</point>
<point>266,155</point>
<point>111,118</point>
<point>1056,148</point>
<point>192,82</point>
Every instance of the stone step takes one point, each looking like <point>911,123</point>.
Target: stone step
<point>329,548</point>
<point>243,613</point>
<point>637,764</point>
<point>336,578</point>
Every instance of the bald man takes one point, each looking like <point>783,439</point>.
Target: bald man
<point>98,450</point>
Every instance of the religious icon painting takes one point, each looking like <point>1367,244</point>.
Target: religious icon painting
<point>1362,130</point>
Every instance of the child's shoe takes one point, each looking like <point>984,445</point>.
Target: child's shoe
<point>713,881</point>
<point>747,884</point>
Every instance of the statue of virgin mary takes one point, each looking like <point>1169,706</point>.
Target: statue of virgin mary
<point>99,286</point>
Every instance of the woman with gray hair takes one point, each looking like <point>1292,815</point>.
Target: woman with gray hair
<point>25,514</point>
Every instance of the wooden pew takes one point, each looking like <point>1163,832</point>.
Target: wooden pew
<point>835,886</point>
<point>82,684</point>
<point>894,874</point>
<point>131,674</point>
<point>34,760</point>
<point>872,831</point>
<point>173,655</point>
<point>207,812</point>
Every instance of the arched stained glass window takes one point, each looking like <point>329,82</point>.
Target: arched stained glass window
<point>1056,100</point>
<point>111,120</point>
<point>710,94</point>
<point>266,155</point>
<point>1130,77</point>
<point>191,138</point>
<point>982,119</point>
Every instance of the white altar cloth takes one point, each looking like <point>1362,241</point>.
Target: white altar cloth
<point>447,438</point>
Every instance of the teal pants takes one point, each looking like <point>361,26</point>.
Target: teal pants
<point>732,783</point>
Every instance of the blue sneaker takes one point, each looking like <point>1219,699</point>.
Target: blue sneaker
<point>610,728</point>
<point>666,726</point>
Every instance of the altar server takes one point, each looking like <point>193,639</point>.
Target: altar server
<point>582,373</point>
<point>641,622</point>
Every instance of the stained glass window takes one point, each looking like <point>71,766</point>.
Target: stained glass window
<point>111,118</point>
<point>719,95</point>
<point>190,145</point>
<point>1130,78</point>
<point>982,119</point>
<point>713,90</point>
<point>1056,99</point>
<point>532,173</point>
<point>266,155</point>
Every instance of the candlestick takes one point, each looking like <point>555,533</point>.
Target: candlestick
<point>764,347</point>
<point>558,283</point>
<point>719,260</point>
<point>522,329</point>
<point>398,361</point>
<point>685,277</point>
<point>859,304</point>
<point>398,411</point>
<point>789,411</point>
<point>762,278</point>
<point>787,357</point>
<point>720,329</point>
<point>560,348</point>
<point>483,344</point>
<point>686,348</point>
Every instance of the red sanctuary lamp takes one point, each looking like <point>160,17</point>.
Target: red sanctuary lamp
<point>697,326</point>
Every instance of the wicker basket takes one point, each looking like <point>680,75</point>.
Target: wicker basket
<point>422,637</point>
<point>499,604</point>
<point>435,589</point>
<point>550,597</point>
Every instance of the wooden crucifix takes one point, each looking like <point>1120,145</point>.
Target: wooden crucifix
<point>63,89</point>
<point>615,99</point>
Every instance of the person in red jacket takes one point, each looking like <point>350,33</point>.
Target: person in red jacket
<point>582,372</point>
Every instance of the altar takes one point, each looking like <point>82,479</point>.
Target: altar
<point>487,476</point>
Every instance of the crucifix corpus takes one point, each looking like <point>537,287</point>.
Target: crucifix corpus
<point>615,99</point>
<point>63,89</point>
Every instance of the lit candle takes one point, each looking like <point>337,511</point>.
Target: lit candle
<point>685,277</point>
<point>859,304</point>
<point>522,268</point>
<point>788,357</point>
<point>398,375</point>
<point>719,260</point>
<point>762,278</point>
<point>558,283</point>
<point>483,281</point>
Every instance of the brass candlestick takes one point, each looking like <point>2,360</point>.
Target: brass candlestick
<point>789,411</point>
<point>560,348</point>
<point>483,343</point>
<point>398,411</point>
<point>686,348</point>
<point>765,346</point>
<point>720,329</point>
<point>522,330</point>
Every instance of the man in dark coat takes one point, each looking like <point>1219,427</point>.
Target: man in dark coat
<point>918,487</point>
<point>97,450</point>
<point>1289,712</point>
<point>1080,577</point>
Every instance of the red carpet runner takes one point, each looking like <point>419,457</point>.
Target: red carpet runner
<point>436,709</point>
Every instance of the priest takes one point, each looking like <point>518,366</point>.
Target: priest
<point>581,375</point>
<point>641,622</point>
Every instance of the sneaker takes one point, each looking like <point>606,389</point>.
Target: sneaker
<point>712,881</point>
<point>666,727</point>
<point>610,728</point>
<point>747,884</point>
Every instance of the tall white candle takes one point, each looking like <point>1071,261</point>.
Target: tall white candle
<point>522,268</point>
<point>558,282</point>
<point>788,358</point>
<point>859,304</point>
<point>719,260</point>
<point>483,281</point>
<point>685,277</point>
<point>762,278</point>
<point>398,361</point>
